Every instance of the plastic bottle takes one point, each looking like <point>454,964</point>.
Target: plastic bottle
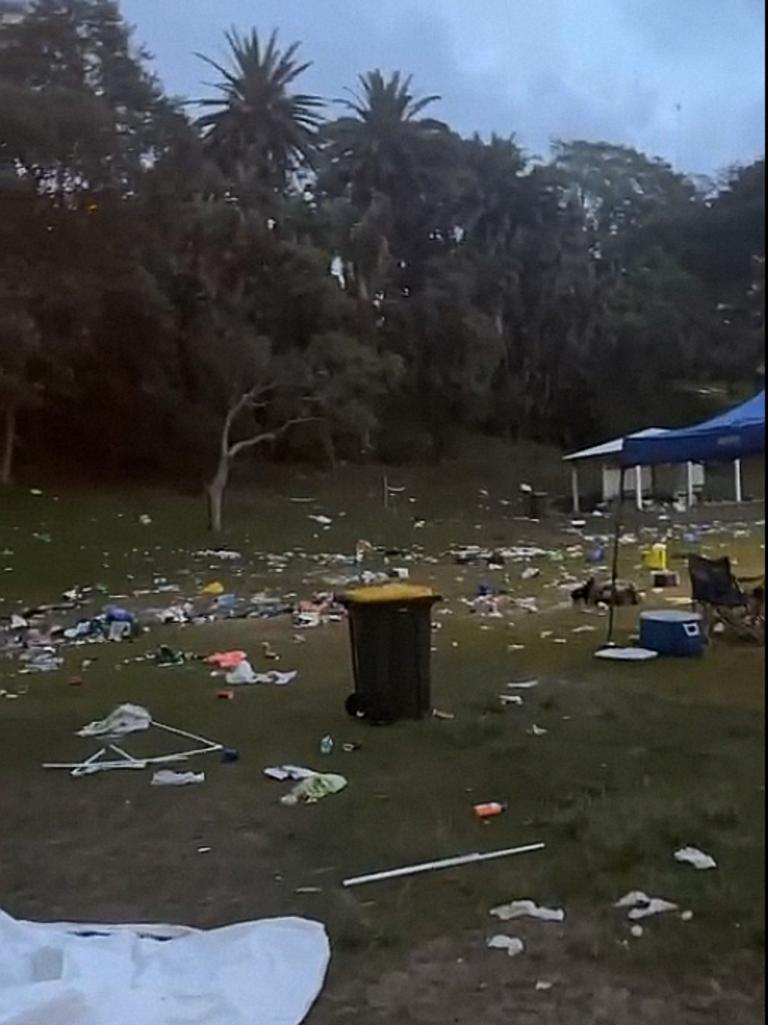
<point>326,745</point>
<point>489,809</point>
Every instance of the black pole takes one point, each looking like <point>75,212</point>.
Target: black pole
<point>615,565</point>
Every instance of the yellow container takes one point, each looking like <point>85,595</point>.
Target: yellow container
<point>387,593</point>
<point>655,558</point>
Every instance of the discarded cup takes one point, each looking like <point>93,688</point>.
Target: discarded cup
<point>489,809</point>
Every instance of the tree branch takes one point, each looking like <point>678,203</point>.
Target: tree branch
<point>273,435</point>
<point>246,400</point>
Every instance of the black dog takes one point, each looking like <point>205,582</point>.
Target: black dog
<point>592,593</point>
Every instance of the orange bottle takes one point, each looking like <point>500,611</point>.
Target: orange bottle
<point>490,808</point>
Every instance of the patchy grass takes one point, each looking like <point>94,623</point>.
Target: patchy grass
<point>636,760</point>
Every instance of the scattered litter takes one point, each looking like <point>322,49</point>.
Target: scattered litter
<point>314,788</point>
<point>627,654</point>
<point>40,661</point>
<point>510,699</point>
<point>596,555</point>
<point>432,866</point>
<point>271,969</point>
<point>226,659</point>
<point>306,620</point>
<point>326,745</point>
<point>308,889</point>
<point>489,809</point>
<point>283,772</point>
<point>214,588</point>
<point>693,856</point>
<point>542,985</point>
<point>166,657</point>
<point>218,553</point>
<point>176,613</point>
<point>586,628</point>
<point>523,685</point>
<point>439,714</point>
<point>268,653</point>
<point>527,909</point>
<point>545,634</point>
<point>171,778</point>
<point>145,520</point>
<point>324,521</point>
<point>244,673</point>
<point>122,720</point>
<point>225,695</point>
<point>530,572</point>
<point>636,931</point>
<point>686,916</point>
<point>643,906</point>
<point>537,731</point>
<point>511,944</point>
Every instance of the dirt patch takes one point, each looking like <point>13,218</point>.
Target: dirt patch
<point>558,980</point>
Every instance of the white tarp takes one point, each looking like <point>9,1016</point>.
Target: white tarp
<point>267,972</point>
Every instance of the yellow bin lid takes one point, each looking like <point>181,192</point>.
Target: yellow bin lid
<point>388,592</point>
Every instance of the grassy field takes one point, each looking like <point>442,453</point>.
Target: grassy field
<point>635,761</point>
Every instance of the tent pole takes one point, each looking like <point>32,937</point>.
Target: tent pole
<point>689,482</point>
<point>615,560</point>
<point>575,488</point>
<point>737,479</point>
<point>639,488</point>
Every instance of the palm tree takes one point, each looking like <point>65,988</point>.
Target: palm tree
<point>257,125</point>
<point>383,145</point>
<point>385,158</point>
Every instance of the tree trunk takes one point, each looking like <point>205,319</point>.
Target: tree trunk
<point>215,492</point>
<point>9,444</point>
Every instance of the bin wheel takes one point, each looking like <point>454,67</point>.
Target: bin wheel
<point>354,707</point>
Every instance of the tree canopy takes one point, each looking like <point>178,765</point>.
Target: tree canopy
<point>171,270</point>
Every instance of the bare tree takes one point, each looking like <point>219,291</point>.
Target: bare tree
<point>229,450</point>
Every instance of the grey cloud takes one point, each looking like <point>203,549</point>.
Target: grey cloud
<point>599,69</point>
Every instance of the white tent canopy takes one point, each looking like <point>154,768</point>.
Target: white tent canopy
<point>611,448</point>
<point>609,452</point>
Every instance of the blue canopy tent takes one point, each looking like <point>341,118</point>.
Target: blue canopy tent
<point>724,438</point>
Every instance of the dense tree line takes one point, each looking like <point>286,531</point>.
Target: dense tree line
<point>182,282</point>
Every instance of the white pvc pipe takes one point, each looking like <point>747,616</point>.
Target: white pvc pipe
<point>575,488</point>
<point>639,487</point>
<point>689,482</point>
<point>190,736</point>
<point>432,866</point>
<point>737,479</point>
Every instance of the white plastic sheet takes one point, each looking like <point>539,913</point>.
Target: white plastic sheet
<point>267,972</point>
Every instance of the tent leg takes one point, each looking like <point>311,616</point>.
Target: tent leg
<point>638,488</point>
<point>615,560</point>
<point>689,482</point>
<point>575,489</point>
<point>737,479</point>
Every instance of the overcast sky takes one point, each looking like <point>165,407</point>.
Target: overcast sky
<point>610,70</point>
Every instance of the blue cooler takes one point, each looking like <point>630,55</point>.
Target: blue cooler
<point>672,632</point>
